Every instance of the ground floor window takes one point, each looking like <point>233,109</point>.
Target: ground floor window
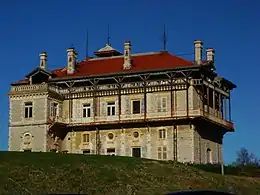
<point>136,152</point>
<point>162,153</point>
<point>111,151</point>
<point>27,150</point>
<point>87,151</point>
<point>209,156</point>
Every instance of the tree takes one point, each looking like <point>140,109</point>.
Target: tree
<point>244,157</point>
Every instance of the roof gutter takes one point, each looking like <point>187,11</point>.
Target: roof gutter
<point>126,73</point>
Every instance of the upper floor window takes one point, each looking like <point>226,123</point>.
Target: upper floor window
<point>86,110</point>
<point>54,109</point>
<point>162,133</point>
<point>111,109</point>
<point>162,104</point>
<point>136,106</point>
<point>28,109</point>
<point>85,138</point>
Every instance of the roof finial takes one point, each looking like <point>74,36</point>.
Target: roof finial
<point>87,44</point>
<point>164,38</point>
<point>108,35</point>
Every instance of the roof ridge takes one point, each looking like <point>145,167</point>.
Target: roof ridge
<point>121,56</point>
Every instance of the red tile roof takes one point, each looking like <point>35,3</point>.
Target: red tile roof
<point>142,62</point>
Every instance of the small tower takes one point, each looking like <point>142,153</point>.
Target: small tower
<point>43,60</point>
<point>72,57</point>
<point>198,45</point>
<point>127,55</point>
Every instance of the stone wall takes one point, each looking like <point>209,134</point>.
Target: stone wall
<point>36,140</point>
<point>207,139</point>
<point>124,140</point>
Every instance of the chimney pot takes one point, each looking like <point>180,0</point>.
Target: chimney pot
<point>72,57</point>
<point>43,60</point>
<point>210,54</point>
<point>198,46</point>
<point>127,55</point>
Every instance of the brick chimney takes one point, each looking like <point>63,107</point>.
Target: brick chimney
<point>72,57</point>
<point>43,60</point>
<point>210,54</point>
<point>198,45</point>
<point>127,55</point>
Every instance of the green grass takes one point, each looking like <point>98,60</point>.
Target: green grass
<point>41,173</point>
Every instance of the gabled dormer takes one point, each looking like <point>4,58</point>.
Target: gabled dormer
<point>107,51</point>
<point>40,74</point>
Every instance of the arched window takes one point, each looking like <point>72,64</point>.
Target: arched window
<point>209,156</point>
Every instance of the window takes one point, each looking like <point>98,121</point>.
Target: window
<point>86,110</point>
<point>162,104</point>
<point>28,109</point>
<point>87,151</point>
<point>110,136</point>
<point>54,109</point>
<point>111,151</point>
<point>209,156</point>
<point>162,153</point>
<point>136,106</point>
<point>162,133</point>
<point>136,134</point>
<point>111,109</point>
<point>85,138</point>
<point>27,138</point>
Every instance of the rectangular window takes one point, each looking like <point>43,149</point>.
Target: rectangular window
<point>86,110</point>
<point>111,151</point>
<point>54,109</point>
<point>111,109</point>
<point>87,151</point>
<point>28,109</point>
<point>85,138</point>
<point>162,133</point>
<point>162,153</point>
<point>162,104</point>
<point>136,106</point>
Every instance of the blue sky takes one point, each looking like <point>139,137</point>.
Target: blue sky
<point>231,27</point>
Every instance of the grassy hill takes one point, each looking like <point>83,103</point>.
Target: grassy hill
<point>41,173</point>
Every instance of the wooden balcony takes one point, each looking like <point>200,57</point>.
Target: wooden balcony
<point>150,117</point>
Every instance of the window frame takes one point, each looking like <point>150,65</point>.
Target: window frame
<point>85,139</point>
<point>162,133</point>
<point>86,110</point>
<point>28,110</point>
<point>162,104</point>
<point>111,108</point>
<point>162,153</point>
<point>140,107</point>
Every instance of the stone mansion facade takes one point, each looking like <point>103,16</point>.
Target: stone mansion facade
<point>149,105</point>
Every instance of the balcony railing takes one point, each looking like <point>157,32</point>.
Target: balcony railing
<point>181,114</point>
<point>33,87</point>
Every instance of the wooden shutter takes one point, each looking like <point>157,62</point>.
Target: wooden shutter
<point>60,110</point>
<point>51,109</point>
<point>142,105</point>
<point>103,109</point>
<point>127,106</point>
<point>159,103</point>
